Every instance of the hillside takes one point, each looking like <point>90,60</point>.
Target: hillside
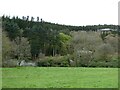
<point>51,44</point>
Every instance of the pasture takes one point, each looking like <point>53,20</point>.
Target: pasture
<point>59,77</point>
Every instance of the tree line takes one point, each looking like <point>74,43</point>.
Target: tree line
<point>31,40</point>
<point>43,37</point>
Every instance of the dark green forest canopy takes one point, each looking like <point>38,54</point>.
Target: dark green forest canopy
<point>27,22</point>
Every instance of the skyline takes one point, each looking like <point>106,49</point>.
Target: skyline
<point>67,12</point>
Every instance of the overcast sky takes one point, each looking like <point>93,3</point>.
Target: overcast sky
<point>69,12</point>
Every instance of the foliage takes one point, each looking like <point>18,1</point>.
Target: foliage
<point>64,43</point>
<point>59,61</point>
<point>21,48</point>
<point>12,28</point>
<point>113,41</point>
<point>84,44</point>
<point>26,38</point>
<point>104,52</point>
<point>10,63</point>
<point>6,46</point>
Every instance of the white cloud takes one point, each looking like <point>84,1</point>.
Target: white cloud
<point>70,12</point>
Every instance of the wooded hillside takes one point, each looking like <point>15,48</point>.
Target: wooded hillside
<point>58,45</point>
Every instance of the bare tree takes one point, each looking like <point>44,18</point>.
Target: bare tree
<point>113,41</point>
<point>104,52</point>
<point>84,44</point>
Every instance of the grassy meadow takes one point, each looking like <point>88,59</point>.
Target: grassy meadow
<point>59,77</point>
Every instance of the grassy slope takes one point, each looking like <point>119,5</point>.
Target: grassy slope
<point>60,77</point>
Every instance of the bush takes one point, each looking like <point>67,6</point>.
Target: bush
<point>60,61</point>
<point>113,62</point>
<point>10,63</point>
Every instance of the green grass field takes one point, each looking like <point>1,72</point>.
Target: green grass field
<point>59,77</point>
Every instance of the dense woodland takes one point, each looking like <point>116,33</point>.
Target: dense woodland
<point>50,44</point>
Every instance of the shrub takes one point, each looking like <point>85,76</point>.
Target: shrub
<point>104,64</point>
<point>10,63</point>
<point>61,61</point>
<point>113,62</point>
